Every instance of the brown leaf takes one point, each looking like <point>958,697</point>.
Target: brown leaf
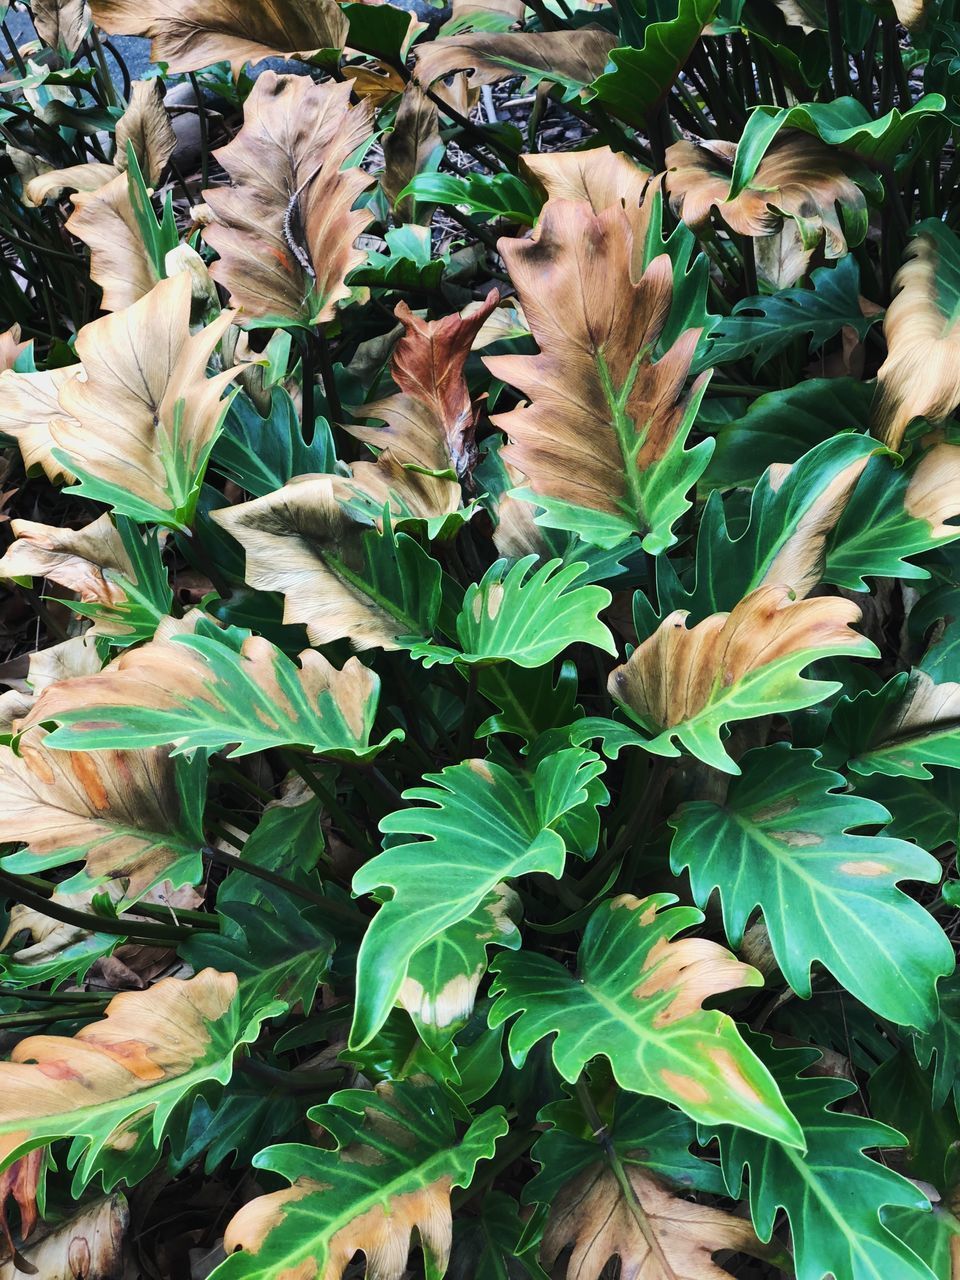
<point>78,559</point>
<point>11,347</point>
<point>117,811</point>
<point>596,330</point>
<point>147,126</point>
<point>119,262</point>
<point>139,364</point>
<point>591,1214</point>
<point>432,423</point>
<point>409,145</point>
<point>377,82</point>
<point>28,404</point>
<point>61,24</point>
<point>512,9</point>
<point>285,228</point>
<point>920,377</point>
<point>195,33</point>
<point>77,177</point>
<point>492,56</point>
<point>20,1183</point>
<point>677,672</point>
<point>911,14</point>
<point>88,1246</point>
<point>74,657</point>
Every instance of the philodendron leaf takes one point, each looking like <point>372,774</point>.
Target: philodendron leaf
<point>118,1083</point>
<point>907,725</point>
<point>602,443</point>
<point>139,426</point>
<point>840,1234</point>
<point>443,976</point>
<point>939,1045</point>
<point>570,59</point>
<point>213,688</point>
<point>525,615</point>
<point>398,1155</point>
<point>132,816</point>
<point>501,195</point>
<point>637,998</point>
<point>781,841</point>
<point>484,825</point>
<point>688,683</point>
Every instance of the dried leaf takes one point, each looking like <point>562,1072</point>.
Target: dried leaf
<point>88,1246</point>
<point>77,177</point>
<point>28,403</point>
<point>379,83</point>
<point>569,58</point>
<point>61,24</point>
<point>146,125</point>
<point>74,657</point>
<point>11,347</point>
<point>119,262</point>
<point>73,558</point>
<point>408,146</point>
<point>144,418</point>
<point>592,1214</point>
<point>199,32</point>
<point>602,442</point>
<point>20,1184</point>
<point>432,423</point>
<point>285,229</point>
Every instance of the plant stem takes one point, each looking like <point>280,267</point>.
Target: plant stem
<point>331,394</point>
<point>339,815</point>
<point>204,130</point>
<point>18,887</point>
<point>335,911</point>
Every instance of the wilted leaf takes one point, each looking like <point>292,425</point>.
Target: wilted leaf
<point>507,821</point>
<point>143,420</point>
<point>637,998</point>
<point>146,126</point>
<point>285,228</point>
<point>89,1246</point>
<point>782,842</point>
<point>602,443</point>
<point>397,1159</point>
<point>119,262</point>
<point>688,683</point>
<point>921,374</point>
<point>21,1183</point>
<point>61,24</point>
<point>76,177</point>
<point>199,32</point>
<point>213,688</point>
<point>567,58</point>
<point>128,815</point>
<point>28,404</point>
<point>87,561</point>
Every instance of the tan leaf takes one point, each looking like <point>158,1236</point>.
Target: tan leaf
<point>78,559</point>
<point>285,228</point>
<point>61,24</point>
<point>591,1214</point>
<point>147,126</point>
<point>74,657</point>
<point>678,672</point>
<point>125,426</point>
<point>377,82</point>
<point>491,56</point>
<point>933,493</point>
<point>602,412</point>
<point>512,9</point>
<point>782,258</point>
<point>195,33</point>
<point>28,403</point>
<point>921,374</point>
<point>409,145</point>
<point>601,177</point>
<point>20,1183</point>
<point>119,262</point>
<point>912,14</point>
<point>799,178</point>
<point>88,1245</point>
<point>48,937</point>
<point>78,177</point>
<point>117,811</point>
<point>432,423</point>
<point>11,347</point>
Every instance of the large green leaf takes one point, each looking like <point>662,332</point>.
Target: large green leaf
<point>939,1045</point>
<point>636,999</point>
<point>782,841</point>
<point>901,1095</point>
<point>397,1156</point>
<point>501,195</point>
<point>484,825</point>
<point>215,687</point>
<point>525,615</point>
<point>496,1244</point>
<point>643,77</point>
<point>833,1195</point>
<point>262,454</point>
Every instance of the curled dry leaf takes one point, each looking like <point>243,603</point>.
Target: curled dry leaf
<point>78,559</point>
<point>143,419</point>
<point>591,1214</point>
<point>601,442</point>
<point>120,812</point>
<point>569,58</point>
<point>432,423</point>
<point>74,657</point>
<point>88,1246</point>
<point>28,403</point>
<point>921,374</point>
<point>285,228</point>
<point>196,33</point>
<point>119,262</point>
<point>61,24</point>
<point>20,1183</point>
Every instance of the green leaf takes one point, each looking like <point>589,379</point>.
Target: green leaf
<point>930,1235</point>
<point>910,724</point>
<point>531,701</point>
<point>396,1159</point>
<point>216,687</point>
<point>505,821</point>
<point>492,1245</point>
<point>524,615</point>
<point>763,327</point>
<point>939,1046</point>
<point>833,1195</point>
<point>501,195</point>
<point>781,841</point>
<point>147,596</point>
<point>636,999</point>
<point>901,1096</point>
<point>643,77</point>
<point>262,454</point>
<point>926,812</point>
<point>159,236</point>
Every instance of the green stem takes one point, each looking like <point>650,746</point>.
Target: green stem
<point>351,829</point>
<point>18,887</point>
<point>335,911</point>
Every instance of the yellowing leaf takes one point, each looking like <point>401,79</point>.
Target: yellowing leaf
<point>28,403</point>
<point>144,418</point>
<point>198,32</point>
<point>601,443</point>
<point>285,228</point>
